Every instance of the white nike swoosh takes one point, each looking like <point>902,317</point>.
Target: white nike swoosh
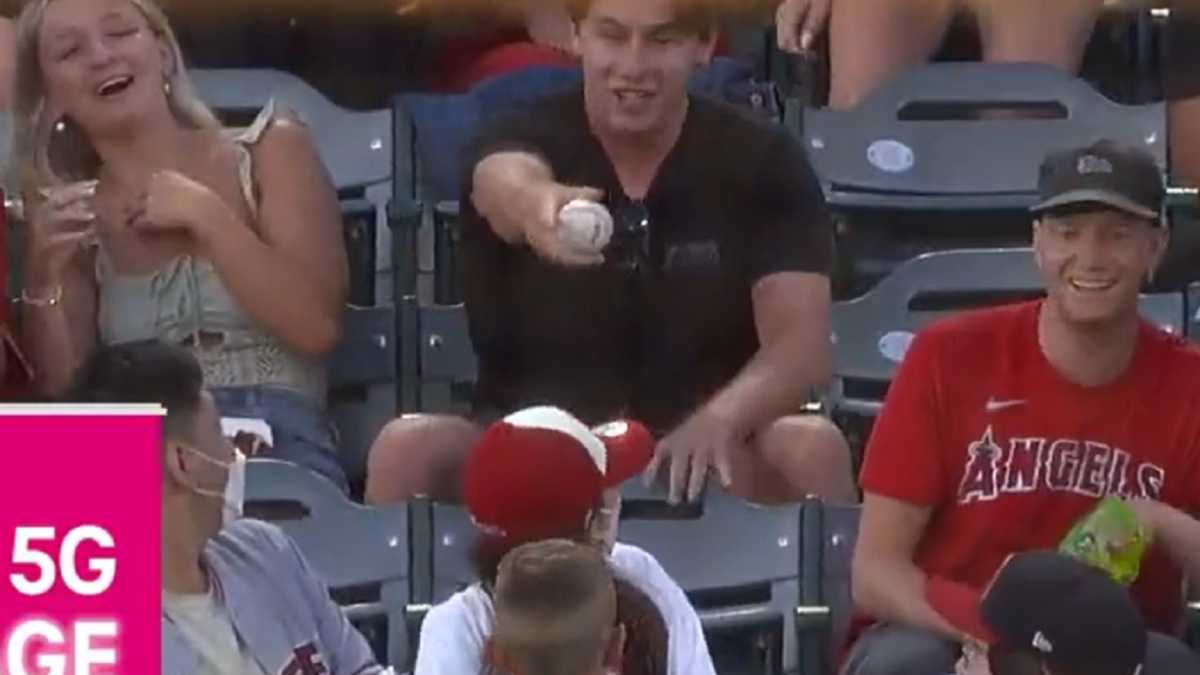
<point>993,405</point>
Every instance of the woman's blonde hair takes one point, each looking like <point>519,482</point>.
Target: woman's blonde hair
<point>42,147</point>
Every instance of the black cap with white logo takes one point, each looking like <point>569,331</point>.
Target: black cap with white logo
<point>1105,174</point>
<point>1074,615</point>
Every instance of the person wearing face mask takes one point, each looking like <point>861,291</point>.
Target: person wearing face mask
<point>556,612</point>
<point>238,597</point>
<point>539,474</point>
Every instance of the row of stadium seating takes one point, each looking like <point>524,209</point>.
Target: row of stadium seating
<point>930,215</point>
<point>797,577</point>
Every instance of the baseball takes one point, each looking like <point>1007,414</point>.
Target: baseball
<point>585,225</point>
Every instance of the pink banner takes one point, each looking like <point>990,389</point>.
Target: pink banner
<point>80,531</point>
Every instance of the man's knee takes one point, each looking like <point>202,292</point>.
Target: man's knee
<point>900,650</point>
<point>418,455</point>
<point>1166,655</point>
<point>812,453</point>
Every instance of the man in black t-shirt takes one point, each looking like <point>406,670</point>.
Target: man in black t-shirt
<point>707,315</point>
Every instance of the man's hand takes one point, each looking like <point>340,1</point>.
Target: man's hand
<point>1148,513</point>
<point>799,22</point>
<point>704,442</point>
<point>541,225</point>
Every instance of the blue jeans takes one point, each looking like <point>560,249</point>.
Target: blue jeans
<point>302,434</point>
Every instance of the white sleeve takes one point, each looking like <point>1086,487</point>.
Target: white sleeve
<point>687,650</point>
<point>447,645</point>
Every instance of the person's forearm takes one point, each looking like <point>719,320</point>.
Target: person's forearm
<point>895,592</point>
<point>51,354</point>
<point>773,384</point>
<point>501,183</point>
<point>1179,534</point>
<point>277,293</point>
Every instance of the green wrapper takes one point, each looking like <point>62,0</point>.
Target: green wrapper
<point>1110,537</point>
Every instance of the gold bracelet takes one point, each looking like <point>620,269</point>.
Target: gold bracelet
<point>50,300</point>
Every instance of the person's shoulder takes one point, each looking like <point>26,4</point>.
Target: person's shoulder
<point>553,115</point>
<point>252,538</point>
<point>1178,357</point>
<point>641,568</point>
<point>467,614</point>
<point>977,328</point>
<point>728,127</point>
<point>627,558</point>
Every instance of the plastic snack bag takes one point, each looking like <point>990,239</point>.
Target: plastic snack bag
<point>1110,537</point>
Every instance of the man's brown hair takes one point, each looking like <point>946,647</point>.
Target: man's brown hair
<point>555,608</point>
<point>698,17</point>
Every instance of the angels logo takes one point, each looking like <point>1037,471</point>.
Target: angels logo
<point>1020,465</point>
<point>306,660</point>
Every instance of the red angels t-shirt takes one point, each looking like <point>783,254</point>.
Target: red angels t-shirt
<point>1009,454</point>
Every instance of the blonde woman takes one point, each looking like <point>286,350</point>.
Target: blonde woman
<point>147,220</point>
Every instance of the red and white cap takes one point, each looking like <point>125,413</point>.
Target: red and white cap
<point>540,472</point>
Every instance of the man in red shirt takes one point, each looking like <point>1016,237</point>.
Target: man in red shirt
<point>1005,426</point>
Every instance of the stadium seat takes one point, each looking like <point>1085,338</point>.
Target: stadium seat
<point>829,535</point>
<point>889,153</point>
<point>925,163</point>
<point>871,332</point>
<point>359,551</point>
<point>364,367</point>
<point>740,566</point>
<point>756,591</point>
<point>355,145</point>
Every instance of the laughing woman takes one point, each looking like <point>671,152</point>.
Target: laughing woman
<point>148,220</point>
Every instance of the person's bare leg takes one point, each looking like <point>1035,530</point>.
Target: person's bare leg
<point>1183,135</point>
<point>793,458</point>
<point>419,455</point>
<point>872,41</point>
<point>1037,31</point>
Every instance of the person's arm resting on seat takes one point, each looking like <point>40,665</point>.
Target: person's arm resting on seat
<point>791,255</point>
<point>904,480</point>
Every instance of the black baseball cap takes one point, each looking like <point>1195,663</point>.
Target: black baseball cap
<point>1068,614</point>
<point>1106,174</point>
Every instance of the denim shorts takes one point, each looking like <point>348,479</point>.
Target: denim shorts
<point>301,432</point>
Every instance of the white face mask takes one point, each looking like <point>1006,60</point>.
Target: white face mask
<point>235,489</point>
<point>234,495</point>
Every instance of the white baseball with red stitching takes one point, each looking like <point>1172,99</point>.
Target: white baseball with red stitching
<point>584,225</point>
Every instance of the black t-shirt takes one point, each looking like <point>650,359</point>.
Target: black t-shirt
<point>1180,54</point>
<point>735,200</point>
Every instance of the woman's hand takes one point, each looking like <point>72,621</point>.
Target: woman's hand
<point>60,224</point>
<point>172,204</point>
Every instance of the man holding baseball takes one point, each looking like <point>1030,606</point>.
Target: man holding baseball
<point>703,314</point>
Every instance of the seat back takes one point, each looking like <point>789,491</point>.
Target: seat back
<point>447,358</point>
<point>759,591</point>
<point>830,534</point>
<point>753,595</point>
<point>354,145</point>
<point>882,155</point>
<point>362,381</point>
<point>351,546</point>
<point>453,540</point>
<point>872,332</point>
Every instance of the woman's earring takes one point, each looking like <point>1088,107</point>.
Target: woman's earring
<point>60,126</point>
<point>167,87</point>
